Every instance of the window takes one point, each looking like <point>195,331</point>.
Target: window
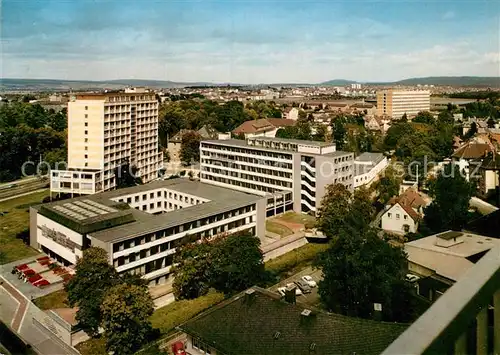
<point>136,198</point>
<point>86,164</point>
<point>86,107</point>
<point>389,215</point>
<point>86,132</point>
<point>152,195</point>
<point>86,148</point>
<point>405,217</point>
<point>86,116</point>
<point>158,194</point>
<point>86,140</point>
<point>86,156</point>
<point>397,216</point>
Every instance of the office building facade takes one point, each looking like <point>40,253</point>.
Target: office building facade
<point>395,103</point>
<point>140,227</point>
<point>292,174</point>
<point>104,131</point>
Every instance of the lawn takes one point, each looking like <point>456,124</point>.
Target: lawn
<point>294,261</point>
<point>277,228</point>
<point>56,299</point>
<point>178,312</point>
<point>15,221</point>
<point>165,319</point>
<point>301,218</point>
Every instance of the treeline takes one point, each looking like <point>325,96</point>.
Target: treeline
<point>194,114</point>
<point>478,95</point>
<point>27,133</point>
<point>423,139</point>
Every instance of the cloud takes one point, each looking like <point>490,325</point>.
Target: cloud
<point>448,15</point>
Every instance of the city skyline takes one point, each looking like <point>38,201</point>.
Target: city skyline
<point>249,42</point>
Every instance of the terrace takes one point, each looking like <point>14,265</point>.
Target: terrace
<point>464,320</point>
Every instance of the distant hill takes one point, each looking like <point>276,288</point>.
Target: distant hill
<point>64,85</point>
<point>453,81</point>
<point>60,85</point>
<point>338,82</point>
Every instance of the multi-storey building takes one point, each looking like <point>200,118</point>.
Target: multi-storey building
<point>395,103</point>
<point>292,174</point>
<point>140,227</point>
<point>105,130</point>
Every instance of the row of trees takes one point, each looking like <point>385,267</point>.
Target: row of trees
<point>228,264</point>
<point>120,304</point>
<point>28,133</point>
<point>194,114</point>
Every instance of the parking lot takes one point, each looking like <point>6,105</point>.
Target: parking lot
<point>309,298</point>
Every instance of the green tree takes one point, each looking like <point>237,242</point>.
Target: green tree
<point>321,133</point>
<point>192,263</point>
<point>125,318</point>
<point>491,123</point>
<point>237,263</point>
<point>339,133</point>
<point>472,131</point>
<point>360,269</point>
<point>446,117</point>
<point>127,175</point>
<point>449,209</point>
<point>404,118</point>
<point>342,210</point>
<point>424,117</point>
<point>190,147</point>
<point>388,185</point>
<point>93,278</point>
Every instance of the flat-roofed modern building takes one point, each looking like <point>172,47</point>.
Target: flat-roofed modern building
<point>368,167</point>
<point>104,131</point>
<point>395,103</point>
<point>140,227</point>
<point>292,174</point>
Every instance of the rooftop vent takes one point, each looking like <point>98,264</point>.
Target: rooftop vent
<point>312,347</point>
<point>249,295</point>
<point>448,239</point>
<point>250,291</point>
<point>306,313</point>
<point>276,335</point>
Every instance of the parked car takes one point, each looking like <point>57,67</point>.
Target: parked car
<point>298,291</point>
<point>178,348</point>
<point>303,286</point>
<point>411,278</point>
<point>309,280</point>
<point>281,291</point>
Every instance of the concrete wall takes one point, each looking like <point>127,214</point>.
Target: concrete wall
<point>33,228</point>
<point>283,246</point>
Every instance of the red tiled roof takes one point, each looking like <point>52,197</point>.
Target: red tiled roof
<point>472,150</point>
<point>262,125</point>
<point>409,200</point>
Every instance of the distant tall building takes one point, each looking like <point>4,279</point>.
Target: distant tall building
<point>106,130</point>
<point>395,103</point>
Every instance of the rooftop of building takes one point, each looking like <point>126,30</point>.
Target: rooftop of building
<point>245,144</point>
<point>262,125</point>
<point>259,322</point>
<point>472,150</point>
<point>453,259</point>
<point>122,221</point>
<point>367,157</point>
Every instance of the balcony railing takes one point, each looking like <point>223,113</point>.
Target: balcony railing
<point>464,320</point>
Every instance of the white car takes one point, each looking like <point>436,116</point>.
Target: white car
<point>298,292</point>
<point>281,291</point>
<point>309,280</point>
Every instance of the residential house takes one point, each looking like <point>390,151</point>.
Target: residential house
<point>377,123</point>
<point>265,127</point>
<point>260,322</point>
<point>469,156</point>
<point>174,143</point>
<point>441,259</point>
<point>291,113</point>
<point>489,179</point>
<point>404,213</point>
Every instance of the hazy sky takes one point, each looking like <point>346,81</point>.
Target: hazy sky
<point>249,41</point>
